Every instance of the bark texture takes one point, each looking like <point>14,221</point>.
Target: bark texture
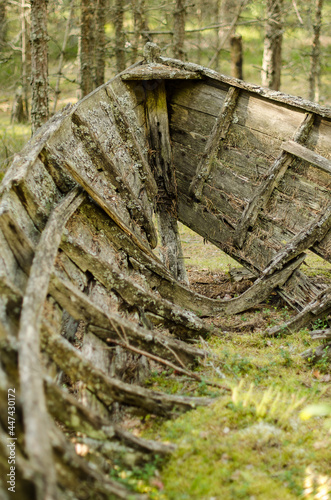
<point>87,40</point>
<point>315,56</point>
<point>179,30</point>
<point>39,64</point>
<point>272,52</point>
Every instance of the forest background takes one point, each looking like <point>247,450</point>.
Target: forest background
<point>56,52</point>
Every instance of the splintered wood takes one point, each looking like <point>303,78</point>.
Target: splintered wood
<point>82,287</point>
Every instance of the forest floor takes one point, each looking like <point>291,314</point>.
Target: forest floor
<point>254,442</point>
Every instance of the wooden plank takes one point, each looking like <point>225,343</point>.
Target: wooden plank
<point>155,71</point>
<point>128,130</point>
<point>302,241</point>
<point>38,192</point>
<point>164,173</point>
<point>112,157</point>
<point>318,308</point>
<point>307,155</point>
<point>18,229</point>
<point>218,134</point>
<point>113,326</point>
<point>106,270</point>
<point>264,191</point>
<point>35,417</point>
<point>77,417</point>
<point>109,389</point>
<point>98,189</point>
<point>267,94</point>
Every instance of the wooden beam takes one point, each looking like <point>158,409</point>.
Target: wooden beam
<point>218,134</point>
<point>156,71</point>
<point>113,326</point>
<point>301,242</point>
<point>109,389</point>
<point>306,154</point>
<point>265,189</point>
<point>35,415</point>
<point>320,307</point>
<point>161,162</point>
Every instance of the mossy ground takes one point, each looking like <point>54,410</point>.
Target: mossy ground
<point>250,443</point>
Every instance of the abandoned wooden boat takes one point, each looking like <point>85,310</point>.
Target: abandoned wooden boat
<point>81,284</point>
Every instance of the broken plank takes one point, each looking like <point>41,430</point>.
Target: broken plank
<point>32,394</point>
<point>307,155</point>
<point>302,241</point>
<point>109,389</point>
<point>77,417</point>
<point>184,324</point>
<point>112,326</point>
<point>264,191</point>
<point>320,307</point>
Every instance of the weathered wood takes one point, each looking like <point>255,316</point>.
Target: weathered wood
<point>77,417</point>
<point>265,190</point>
<point>18,229</point>
<point>112,326</point>
<point>302,241</point>
<point>155,71</point>
<point>128,131</point>
<point>217,135</point>
<point>9,267</point>
<point>307,155</point>
<point>106,161</point>
<point>163,170</point>
<point>108,389</point>
<point>321,334</point>
<point>318,308</point>
<point>272,95</point>
<point>182,322</point>
<point>32,395</point>
<point>322,352</point>
<point>96,193</point>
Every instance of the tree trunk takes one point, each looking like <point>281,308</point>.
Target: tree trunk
<point>272,54</point>
<point>3,23</point>
<point>100,47</point>
<point>39,64</point>
<point>119,35</point>
<point>64,44</point>
<point>229,16</point>
<point>179,30</point>
<point>236,51</point>
<point>87,47</point>
<point>315,56</point>
<point>228,12</point>
<point>24,116</point>
<point>140,26</point>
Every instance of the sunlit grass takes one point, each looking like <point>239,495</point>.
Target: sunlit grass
<point>12,139</point>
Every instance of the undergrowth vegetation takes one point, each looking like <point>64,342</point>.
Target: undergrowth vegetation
<point>269,435</point>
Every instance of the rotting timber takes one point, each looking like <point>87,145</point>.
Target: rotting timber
<point>246,168</point>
